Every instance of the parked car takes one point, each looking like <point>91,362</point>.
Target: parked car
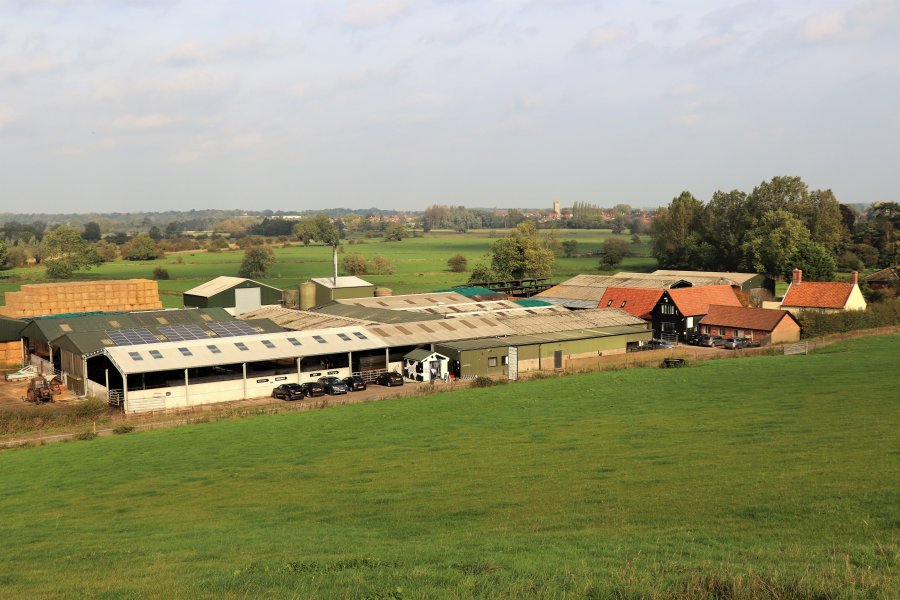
<point>711,341</point>
<point>355,383</point>
<point>735,343</point>
<point>334,385</point>
<point>694,338</point>
<point>313,389</point>
<point>288,391</point>
<point>389,379</point>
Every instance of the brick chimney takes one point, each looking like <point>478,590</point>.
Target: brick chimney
<point>797,276</point>
<point>854,278</point>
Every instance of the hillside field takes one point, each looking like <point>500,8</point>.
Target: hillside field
<point>420,263</point>
<point>764,476</point>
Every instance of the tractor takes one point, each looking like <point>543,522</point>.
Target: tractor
<point>39,391</point>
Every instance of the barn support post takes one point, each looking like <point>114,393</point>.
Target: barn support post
<point>84,377</point>
<point>125,392</point>
<point>244,371</point>
<point>298,369</point>
<point>106,373</point>
<point>387,360</point>
<point>51,360</point>
<point>350,362</point>
<point>187,397</point>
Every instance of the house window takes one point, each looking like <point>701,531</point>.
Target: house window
<point>707,329</point>
<point>492,361</point>
<point>721,331</point>
<point>623,303</point>
<point>668,326</point>
<point>667,309</point>
<point>738,333</point>
<point>608,304</point>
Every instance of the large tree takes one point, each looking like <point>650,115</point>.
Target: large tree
<point>257,262</point>
<point>142,247</point>
<point>64,251</point>
<point>4,254</point>
<point>523,253</point>
<point>677,240</point>
<point>726,221</point>
<point>91,231</point>
<point>773,242</point>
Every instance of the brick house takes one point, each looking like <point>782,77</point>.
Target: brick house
<point>763,325</point>
<point>823,296</point>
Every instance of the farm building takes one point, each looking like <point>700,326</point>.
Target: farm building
<point>531,352</point>
<point>639,302</point>
<point>73,344</point>
<point>759,324</point>
<point>823,296</point>
<point>328,289</point>
<point>762,286</point>
<point>884,279</point>
<point>236,294</point>
<point>38,299</point>
<point>678,312</point>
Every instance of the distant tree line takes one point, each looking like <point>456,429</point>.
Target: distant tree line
<point>779,226</point>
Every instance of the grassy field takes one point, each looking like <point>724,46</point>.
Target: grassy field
<point>421,263</point>
<point>765,476</point>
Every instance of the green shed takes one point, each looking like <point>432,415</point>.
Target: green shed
<point>237,293</point>
<point>341,288</point>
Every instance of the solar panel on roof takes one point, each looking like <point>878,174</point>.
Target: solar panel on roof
<point>228,328</point>
<point>178,333</point>
<point>131,337</point>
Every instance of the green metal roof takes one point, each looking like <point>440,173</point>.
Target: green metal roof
<point>377,315</point>
<point>547,338</point>
<point>419,354</point>
<point>11,329</point>
<point>532,302</point>
<point>469,290</point>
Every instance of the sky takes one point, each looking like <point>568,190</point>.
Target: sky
<point>152,105</point>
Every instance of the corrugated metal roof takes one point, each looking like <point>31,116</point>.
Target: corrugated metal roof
<point>737,278</point>
<point>466,307</point>
<point>346,281</point>
<point>568,321</point>
<point>531,302</point>
<point>513,312</point>
<point>469,290</point>
<point>297,320</point>
<point>570,303</point>
<point>376,315</point>
<point>411,334</point>
<point>408,300</point>
<point>216,286</point>
<point>222,351</point>
<point>11,329</point>
<point>547,338</point>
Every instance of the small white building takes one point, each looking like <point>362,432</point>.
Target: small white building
<point>425,365</point>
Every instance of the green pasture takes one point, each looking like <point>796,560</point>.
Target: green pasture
<point>755,477</point>
<point>420,263</point>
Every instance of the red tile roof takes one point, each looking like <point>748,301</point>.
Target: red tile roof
<point>743,317</point>
<point>818,294</point>
<point>697,300</point>
<point>635,301</point>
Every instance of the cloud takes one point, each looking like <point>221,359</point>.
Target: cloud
<point>7,115</point>
<point>243,47</point>
<point>607,35</point>
<point>19,69</point>
<point>144,122</point>
<point>374,14</point>
<point>854,24</point>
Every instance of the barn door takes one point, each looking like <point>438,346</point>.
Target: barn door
<point>557,359</point>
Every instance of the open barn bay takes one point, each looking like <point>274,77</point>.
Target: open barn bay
<point>765,476</point>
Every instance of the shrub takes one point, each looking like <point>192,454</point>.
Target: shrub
<point>381,265</point>
<point>122,429</point>
<point>457,263</point>
<point>86,435</point>
<point>482,382</point>
<point>160,273</point>
<point>355,264</point>
<point>882,314</point>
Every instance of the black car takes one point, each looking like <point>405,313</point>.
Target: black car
<point>288,391</point>
<point>313,389</point>
<point>389,379</point>
<point>355,383</point>
<point>334,385</point>
<point>694,339</point>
